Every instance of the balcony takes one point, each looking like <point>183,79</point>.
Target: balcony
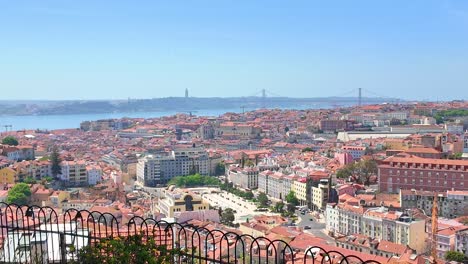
<point>42,235</point>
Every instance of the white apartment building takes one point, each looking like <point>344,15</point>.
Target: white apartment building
<point>378,223</point>
<point>94,174</point>
<point>275,184</point>
<point>461,241</point>
<point>74,173</point>
<point>396,115</point>
<point>245,178</point>
<point>159,169</point>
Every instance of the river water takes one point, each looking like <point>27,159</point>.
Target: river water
<point>73,121</point>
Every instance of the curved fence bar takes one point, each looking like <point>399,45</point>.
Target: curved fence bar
<point>43,235</point>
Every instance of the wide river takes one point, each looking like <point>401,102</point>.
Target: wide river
<point>73,121</point>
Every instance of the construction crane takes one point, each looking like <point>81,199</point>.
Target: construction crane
<point>435,227</point>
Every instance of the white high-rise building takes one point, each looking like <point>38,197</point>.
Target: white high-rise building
<point>159,169</point>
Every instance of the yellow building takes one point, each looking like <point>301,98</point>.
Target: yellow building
<point>299,187</point>
<point>176,200</point>
<point>8,175</point>
<point>56,199</point>
<point>320,196</point>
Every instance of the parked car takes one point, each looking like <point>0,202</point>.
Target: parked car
<point>306,227</point>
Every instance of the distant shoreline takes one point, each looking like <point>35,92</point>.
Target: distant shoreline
<point>179,104</point>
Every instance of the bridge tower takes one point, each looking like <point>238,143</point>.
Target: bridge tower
<point>264,98</point>
<point>360,97</point>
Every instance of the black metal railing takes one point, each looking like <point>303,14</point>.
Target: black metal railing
<point>42,235</point>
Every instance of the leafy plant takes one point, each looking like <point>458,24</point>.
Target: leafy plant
<point>10,140</point>
<point>19,194</point>
<point>136,249</point>
<point>455,256</point>
<point>194,180</point>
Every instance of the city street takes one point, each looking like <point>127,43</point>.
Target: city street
<point>316,228</point>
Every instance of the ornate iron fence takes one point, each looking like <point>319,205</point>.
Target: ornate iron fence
<point>42,235</point>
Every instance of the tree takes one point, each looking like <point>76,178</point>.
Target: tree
<point>262,199</point>
<point>367,169</point>
<point>10,140</point>
<point>131,249</point>
<point>307,149</point>
<point>292,199</point>
<point>455,156</point>
<point>249,195</point>
<point>220,169</point>
<point>361,171</point>
<point>55,160</point>
<point>455,256</point>
<point>19,194</point>
<point>279,207</point>
<point>291,208</point>
<point>30,180</point>
<point>194,181</point>
<point>227,217</point>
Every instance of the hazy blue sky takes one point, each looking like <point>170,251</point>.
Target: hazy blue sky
<point>94,49</point>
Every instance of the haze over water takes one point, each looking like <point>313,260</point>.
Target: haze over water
<point>73,121</point>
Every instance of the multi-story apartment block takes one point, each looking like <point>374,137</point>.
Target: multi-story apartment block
<point>275,184</point>
<point>74,173</point>
<point>446,239</point>
<point>396,115</point>
<point>454,128</point>
<point>33,169</point>
<point>8,176</point>
<point>404,171</point>
<point>17,153</point>
<point>246,178</point>
<point>178,201</point>
<point>378,223</point>
<point>328,125</point>
<point>320,196</point>
<point>159,169</point>
<point>94,174</point>
<point>356,151</point>
<point>299,187</point>
<point>452,204</point>
<point>461,241</point>
<point>237,130</point>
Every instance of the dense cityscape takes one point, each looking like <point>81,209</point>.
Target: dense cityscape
<point>382,182</point>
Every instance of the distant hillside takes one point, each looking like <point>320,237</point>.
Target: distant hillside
<point>173,104</point>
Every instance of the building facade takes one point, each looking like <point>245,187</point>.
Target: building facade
<point>404,171</point>
<point>461,241</point>
<point>376,222</point>
<point>74,173</point>
<point>320,196</point>
<point>159,169</point>
<point>452,204</point>
<point>178,201</point>
<point>246,178</point>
